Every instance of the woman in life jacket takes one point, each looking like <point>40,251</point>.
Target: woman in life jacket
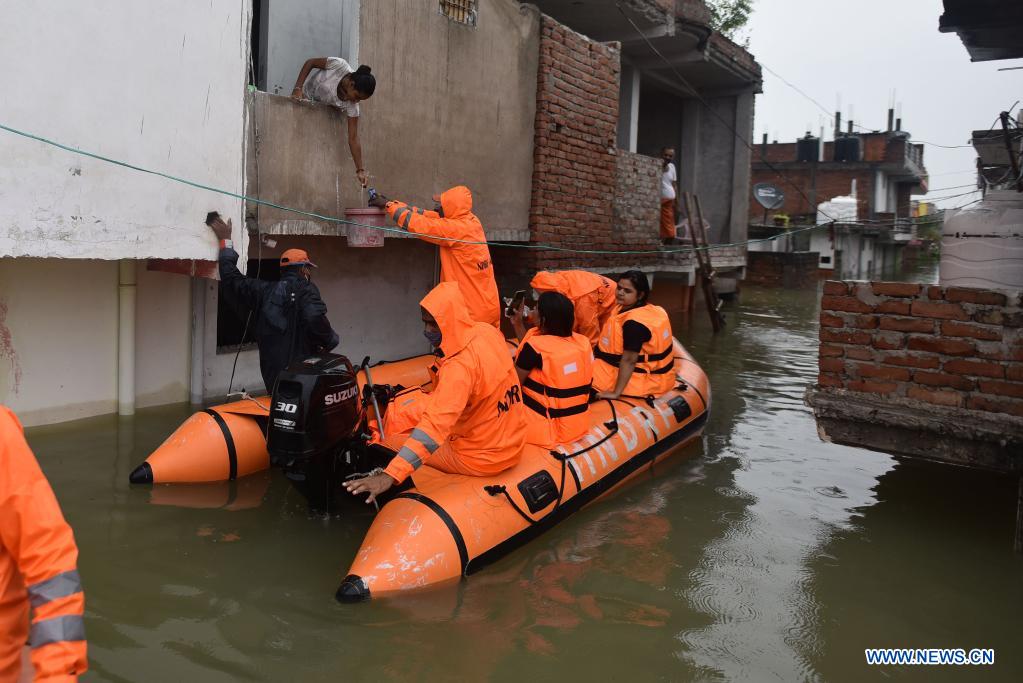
<point>634,353</point>
<point>555,368</point>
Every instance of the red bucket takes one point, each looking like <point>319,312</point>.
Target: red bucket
<point>359,236</point>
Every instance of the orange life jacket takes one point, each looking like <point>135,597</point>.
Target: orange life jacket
<point>557,393</point>
<point>38,571</point>
<point>466,261</point>
<point>654,373</point>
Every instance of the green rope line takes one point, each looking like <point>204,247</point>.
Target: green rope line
<point>345,221</point>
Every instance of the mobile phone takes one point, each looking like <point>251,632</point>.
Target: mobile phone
<point>212,216</point>
<point>513,303</point>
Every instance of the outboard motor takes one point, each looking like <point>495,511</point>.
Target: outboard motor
<point>315,412</point>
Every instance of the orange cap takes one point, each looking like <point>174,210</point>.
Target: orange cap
<point>296,257</point>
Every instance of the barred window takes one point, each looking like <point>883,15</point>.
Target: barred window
<point>462,11</point>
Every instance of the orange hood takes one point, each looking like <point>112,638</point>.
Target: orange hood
<point>447,305</point>
<point>456,202</point>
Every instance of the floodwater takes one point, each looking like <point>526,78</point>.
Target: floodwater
<point>760,554</point>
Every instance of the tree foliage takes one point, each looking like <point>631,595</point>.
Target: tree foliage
<point>729,16</point>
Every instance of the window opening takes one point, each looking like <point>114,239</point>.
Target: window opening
<point>461,11</point>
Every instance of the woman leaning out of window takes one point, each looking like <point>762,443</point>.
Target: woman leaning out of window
<point>331,80</point>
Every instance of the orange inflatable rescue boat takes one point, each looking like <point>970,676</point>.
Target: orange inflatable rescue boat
<point>436,527</point>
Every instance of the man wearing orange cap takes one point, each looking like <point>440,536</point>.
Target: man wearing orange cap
<point>291,318</point>
<point>464,255</point>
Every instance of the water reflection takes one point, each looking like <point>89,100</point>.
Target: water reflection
<point>759,554</point>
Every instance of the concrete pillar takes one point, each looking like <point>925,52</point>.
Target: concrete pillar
<point>628,108</point>
<point>197,366</point>
<point>126,292</point>
<point>738,230</point>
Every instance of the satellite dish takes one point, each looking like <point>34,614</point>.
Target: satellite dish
<point>769,196</point>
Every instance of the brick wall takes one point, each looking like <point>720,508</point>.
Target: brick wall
<point>782,269</point>
<point>637,203</point>
<point>950,346</point>
<point>830,183</point>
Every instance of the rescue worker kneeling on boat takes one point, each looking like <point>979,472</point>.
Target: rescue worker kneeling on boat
<point>592,295</point>
<point>291,318</point>
<point>555,368</point>
<point>634,356</point>
<point>472,422</point>
<point>464,254</point>
<point>38,569</point>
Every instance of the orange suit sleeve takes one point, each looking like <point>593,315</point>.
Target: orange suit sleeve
<point>447,403</point>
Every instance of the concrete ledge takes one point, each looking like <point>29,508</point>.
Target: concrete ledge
<point>903,426</point>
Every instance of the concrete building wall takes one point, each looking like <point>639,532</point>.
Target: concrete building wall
<point>453,105</point>
<point>58,338</point>
<point>157,84</point>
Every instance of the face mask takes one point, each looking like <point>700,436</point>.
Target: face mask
<point>432,337</point>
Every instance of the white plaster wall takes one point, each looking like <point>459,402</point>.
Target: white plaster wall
<point>162,338</point>
<point>160,84</point>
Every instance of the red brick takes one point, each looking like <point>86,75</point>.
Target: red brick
<point>907,324</point>
<point>835,288</point>
<point>934,292</point>
<point>872,387</point>
<point>994,386</point>
<point>829,320</point>
<point>946,311</point>
<point>995,405</point>
<point>939,397</point>
<point>977,368</point>
<point>829,351</point>
<point>862,322</point>
<point>975,296</point>
<point>952,328</point>
<point>831,365</point>
<point>844,337</point>
<point>845,303</point>
<point>941,379</point>
<point>949,347</point>
<point>859,353</point>
<point>997,317</point>
<point>827,380</point>
<point>1014,371</point>
<point>881,372</point>
<point>910,360</point>
<point>895,288</point>
<point>893,306</point>
<point>888,341</point>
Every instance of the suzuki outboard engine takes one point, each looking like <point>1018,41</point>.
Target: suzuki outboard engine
<point>315,412</point>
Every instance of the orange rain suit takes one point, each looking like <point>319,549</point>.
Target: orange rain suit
<point>592,295</point>
<point>462,262</point>
<point>38,559</point>
<point>473,421</point>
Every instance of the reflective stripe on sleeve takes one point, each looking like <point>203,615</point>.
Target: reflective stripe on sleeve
<point>425,439</point>
<point>409,456</point>
<point>401,213</point>
<point>408,219</point>
<point>57,630</point>
<point>59,586</point>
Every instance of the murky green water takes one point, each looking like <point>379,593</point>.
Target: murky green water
<point>761,554</point>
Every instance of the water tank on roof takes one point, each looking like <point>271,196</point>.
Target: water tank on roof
<point>807,148</point>
<point>848,148</point>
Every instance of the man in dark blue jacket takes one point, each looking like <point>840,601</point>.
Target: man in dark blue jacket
<point>290,317</point>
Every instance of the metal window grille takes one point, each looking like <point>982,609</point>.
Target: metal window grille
<point>462,11</point>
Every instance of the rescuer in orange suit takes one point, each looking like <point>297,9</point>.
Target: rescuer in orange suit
<point>592,295</point>
<point>472,422</point>
<point>38,569</point>
<point>466,262</point>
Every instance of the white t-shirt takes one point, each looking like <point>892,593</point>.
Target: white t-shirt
<point>668,178</point>
<point>321,86</point>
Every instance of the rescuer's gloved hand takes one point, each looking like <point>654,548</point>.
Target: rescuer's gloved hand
<point>221,229</point>
<point>379,201</point>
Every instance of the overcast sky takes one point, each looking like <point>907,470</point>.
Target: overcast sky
<point>861,50</point>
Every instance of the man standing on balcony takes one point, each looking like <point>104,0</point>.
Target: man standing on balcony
<point>669,180</point>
